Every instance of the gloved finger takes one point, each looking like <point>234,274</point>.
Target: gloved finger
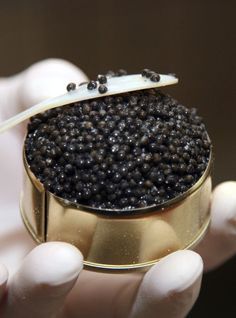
<point>42,283</point>
<point>219,243</point>
<point>45,79</point>
<point>3,280</point>
<point>170,288</point>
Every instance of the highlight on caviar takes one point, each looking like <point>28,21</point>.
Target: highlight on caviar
<point>125,151</point>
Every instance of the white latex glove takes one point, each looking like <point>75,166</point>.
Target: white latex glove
<point>44,283</point>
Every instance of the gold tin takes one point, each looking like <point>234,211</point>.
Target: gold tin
<point>118,242</point>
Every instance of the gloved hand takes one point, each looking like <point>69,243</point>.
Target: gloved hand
<point>45,283</point>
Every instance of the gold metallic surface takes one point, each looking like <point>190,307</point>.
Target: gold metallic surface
<point>118,242</point>
<point>33,204</point>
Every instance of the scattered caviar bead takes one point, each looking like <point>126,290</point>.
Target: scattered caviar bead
<point>145,72</point>
<point>71,87</point>
<point>126,151</point>
<point>102,89</point>
<point>149,74</point>
<point>92,85</point>
<point>102,79</point>
<point>155,77</point>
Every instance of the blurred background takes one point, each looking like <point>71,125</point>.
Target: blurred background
<point>194,39</point>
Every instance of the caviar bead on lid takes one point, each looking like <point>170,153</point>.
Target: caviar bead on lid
<point>92,85</point>
<point>71,87</point>
<point>102,79</point>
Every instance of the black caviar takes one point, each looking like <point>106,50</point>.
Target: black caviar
<point>71,87</point>
<point>92,85</point>
<point>102,89</point>
<point>123,151</point>
<point>102,79</point>
<point>145,72</point>
<point>153,76</point>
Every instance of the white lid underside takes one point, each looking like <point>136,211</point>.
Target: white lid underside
<point>115,85</point>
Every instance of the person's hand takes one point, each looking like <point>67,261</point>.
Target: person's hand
<point>44,283</point>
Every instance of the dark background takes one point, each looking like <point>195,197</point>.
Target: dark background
<point>194,39</point>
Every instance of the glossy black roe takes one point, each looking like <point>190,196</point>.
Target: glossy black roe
<point>145,72</point>
<point>155,77</point>
<point>102,89</point>
<point>119,152</point>
<point>92,85</point>
<point>83,83</point>
<point>71,87</point>
<point>102,79</point>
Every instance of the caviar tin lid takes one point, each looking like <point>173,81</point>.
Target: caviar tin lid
<point>95,89</point>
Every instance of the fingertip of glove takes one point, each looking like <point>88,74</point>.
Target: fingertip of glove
<point>170,288</point>
<point>224,209</point>
<point>47,79</point>
<point>177,272</point>
<point>227,188</point>
<point>57,263</point>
